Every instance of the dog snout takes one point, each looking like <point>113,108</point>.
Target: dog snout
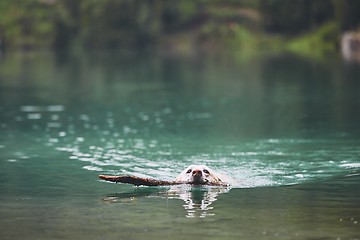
<point>196,172</point>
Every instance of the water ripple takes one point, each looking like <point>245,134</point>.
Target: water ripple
<point>116,146</point>
<point>262,163</point>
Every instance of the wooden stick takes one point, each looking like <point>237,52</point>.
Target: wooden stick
<point>137,181</point>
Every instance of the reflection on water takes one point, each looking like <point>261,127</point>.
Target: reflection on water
<point>197,200</point>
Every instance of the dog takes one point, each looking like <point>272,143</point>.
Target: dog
<point>200,175</point>
<point>194,174</point>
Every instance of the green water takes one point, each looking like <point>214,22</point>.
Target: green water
<point>286,129</point>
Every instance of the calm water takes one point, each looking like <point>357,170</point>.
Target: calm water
<point>285,128</point>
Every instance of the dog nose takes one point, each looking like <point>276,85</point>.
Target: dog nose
<point>197,172</point>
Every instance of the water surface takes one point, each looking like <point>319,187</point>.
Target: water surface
<point>285,128</point>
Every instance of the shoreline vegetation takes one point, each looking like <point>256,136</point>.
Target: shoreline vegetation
<point>307,27</point>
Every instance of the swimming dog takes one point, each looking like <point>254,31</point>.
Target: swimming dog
<point>194,174</point>
<point>201,175</point>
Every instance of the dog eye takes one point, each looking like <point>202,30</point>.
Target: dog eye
<point>206,171</point>
<point>188,171</point>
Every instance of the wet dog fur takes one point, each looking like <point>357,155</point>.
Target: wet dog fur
<point>199,175</point>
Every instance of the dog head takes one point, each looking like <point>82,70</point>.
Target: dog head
<point>198,174</point>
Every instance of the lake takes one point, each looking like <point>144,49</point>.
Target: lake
<point>286,128</point>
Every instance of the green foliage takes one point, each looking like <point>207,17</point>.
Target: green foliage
<point>295,16</point>
<point>246,25</point>
<point>317,43</point>
<point>26,23</point>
